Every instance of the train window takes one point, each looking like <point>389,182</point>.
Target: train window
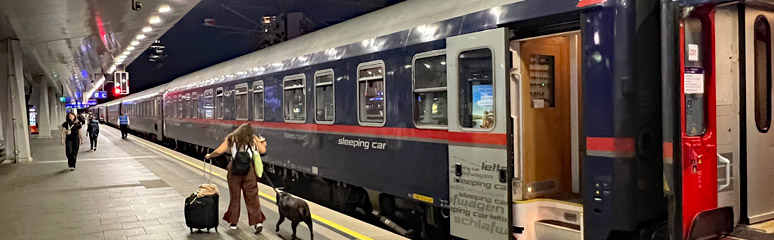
<point>219,103</point>
<point>258,101</point>
<point>180,102</point>
<point>209,110</point>
<point>294,95</point>
<point>187,105</point>
<point>693,79</point>
<point>324,103</point>
<point>371,94</point>
<point>195,105</point>
<point>476,91</point>
<point>240,101</point>
<point>429,75</point>
<point>762,74</point>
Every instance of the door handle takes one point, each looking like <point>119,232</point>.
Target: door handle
<point>728,173</point>
<point>458,169</point>
<point>515,81</point>
<point>503,175</point>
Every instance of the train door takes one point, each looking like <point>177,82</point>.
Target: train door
<point>545,103</point>
<point>479,171</point>
<point>757,140</point>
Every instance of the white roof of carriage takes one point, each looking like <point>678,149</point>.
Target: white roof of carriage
<point>396,18</point>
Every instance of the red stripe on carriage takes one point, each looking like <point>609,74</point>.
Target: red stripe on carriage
<point>460,137</point>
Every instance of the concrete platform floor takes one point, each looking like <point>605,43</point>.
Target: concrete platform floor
<point>132,189</point>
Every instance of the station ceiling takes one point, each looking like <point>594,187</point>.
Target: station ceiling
<point>72,43</point>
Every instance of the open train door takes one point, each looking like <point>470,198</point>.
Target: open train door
<point>479,170</point>
<point>693,154</point>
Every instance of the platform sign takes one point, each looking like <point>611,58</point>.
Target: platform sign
<point>62,99</point>
<point>33,120</point>
<point>91,102</point>
<point>77,105</point>
<point>99,95</point>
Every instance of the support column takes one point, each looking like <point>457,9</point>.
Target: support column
<point>54,110</point>
<point>44,118</point>
<point>15,122</point>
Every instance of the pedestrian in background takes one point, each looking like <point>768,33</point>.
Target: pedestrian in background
<point>123,121</point>
<point>93,131</point>
<point>71,138</point>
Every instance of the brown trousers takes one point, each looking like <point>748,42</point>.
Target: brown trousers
<point>248,185</point>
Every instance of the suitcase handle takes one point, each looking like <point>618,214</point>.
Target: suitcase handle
<point>204,175</point>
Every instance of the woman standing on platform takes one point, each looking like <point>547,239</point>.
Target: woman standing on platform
<point>71,138</point>
<point>242,140</point>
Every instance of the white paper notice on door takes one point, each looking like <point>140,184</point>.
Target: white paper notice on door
<point>693,80</point>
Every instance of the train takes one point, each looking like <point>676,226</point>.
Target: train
<point>506,119</point>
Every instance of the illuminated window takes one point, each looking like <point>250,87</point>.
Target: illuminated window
<point>294,95</point>
<point>324,98</point>
<point>195,105</point>
<point>429,75</point>
<point>219,103</point>
<point>208,106</point>
<point>241,102</point>
<point>258,101</point>
<point>371,94</point>
<point>476,91</point>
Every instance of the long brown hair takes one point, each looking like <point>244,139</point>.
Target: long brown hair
<point>242,136</point>
<point>75,118</point>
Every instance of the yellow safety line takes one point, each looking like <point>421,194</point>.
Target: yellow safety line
<point>273,199</point>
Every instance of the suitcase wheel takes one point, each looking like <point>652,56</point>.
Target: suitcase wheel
<point>191,229</point>
<point>208,230</point>
<point>216,229</point>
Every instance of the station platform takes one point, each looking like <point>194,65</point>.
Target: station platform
<point>134,189</point>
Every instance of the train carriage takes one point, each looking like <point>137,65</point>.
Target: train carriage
<point>144,112</point>
<point>566,119</point>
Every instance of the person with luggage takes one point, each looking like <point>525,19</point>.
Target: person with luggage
<point>123,121</point>
<point>71,138</point>
<point>93,130</point>
<point>242,144</point>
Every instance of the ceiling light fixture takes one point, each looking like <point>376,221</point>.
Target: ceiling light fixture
<point>147,29</point>
<point>141,37</point>
<point>130,48</point>
<point>164,9</point>
<point>135,43</point>
<point>154,20</point>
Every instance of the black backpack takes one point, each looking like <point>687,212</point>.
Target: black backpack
<point>240,165</point>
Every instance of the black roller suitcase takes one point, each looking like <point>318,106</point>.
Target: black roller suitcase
<point>202,212</point>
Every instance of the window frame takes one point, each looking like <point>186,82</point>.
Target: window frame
<point>323,72</point>
<point>195,104</point>
<point>768,63</point>
<point>210,96</point>
<point>247,100</point>
<point>428,54</point>
<point>179,106</point>
<point>364,65</point>
<point>218,105</point>
<point>293,77</point>
<point>263,99</point>
<point>494,89</point>
<point>187,111</point>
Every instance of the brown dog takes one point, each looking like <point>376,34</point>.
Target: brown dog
<point>296,210</point>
